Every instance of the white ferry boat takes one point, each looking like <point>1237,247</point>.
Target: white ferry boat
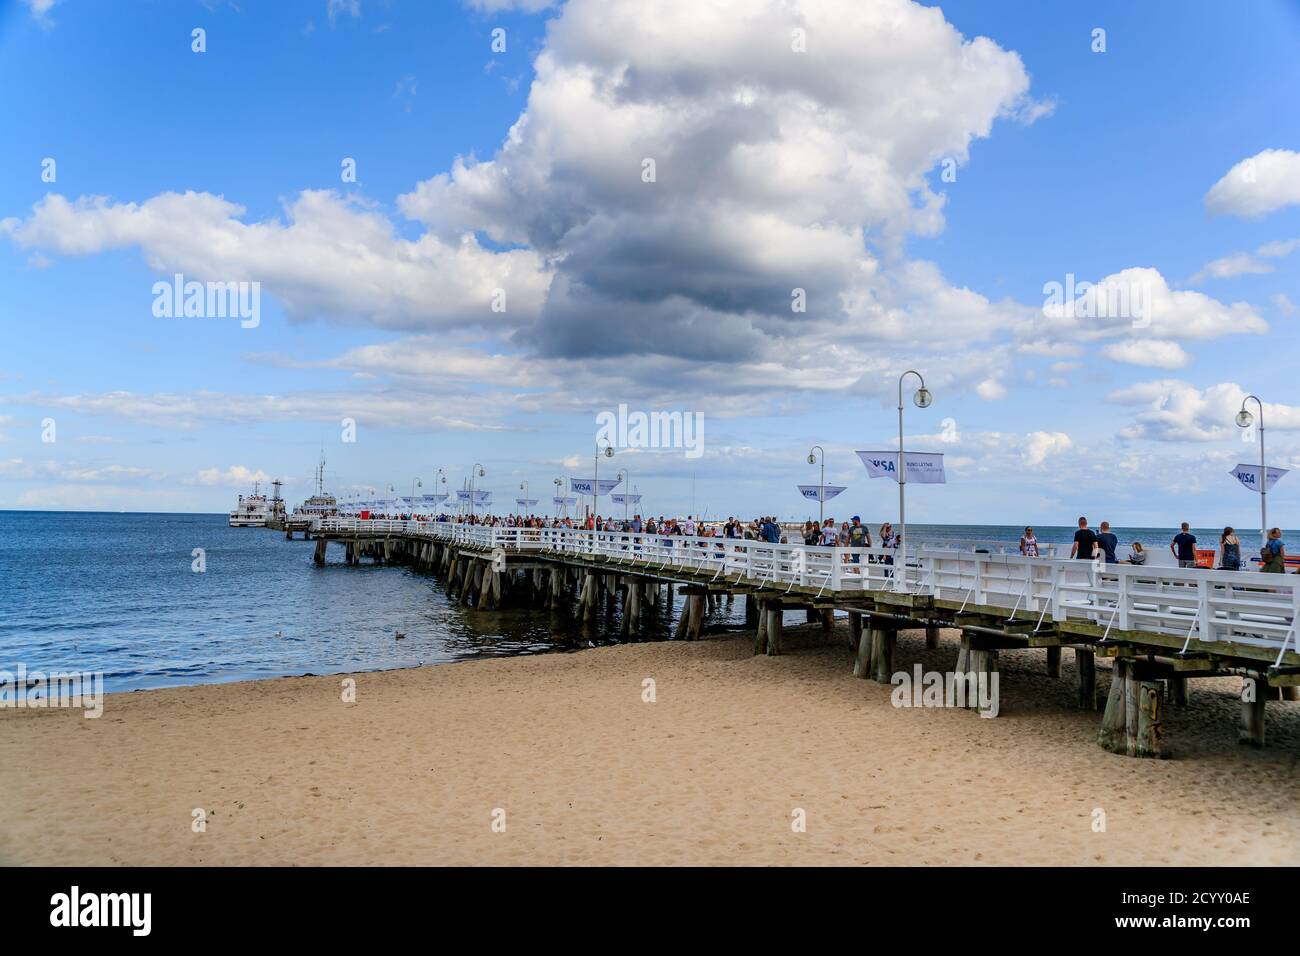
<point>252,510</point>
<point>322,504</point>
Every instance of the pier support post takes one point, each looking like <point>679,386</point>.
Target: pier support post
<point>1133,722</point>
<point>760,632</point>
<point>696,605</point>
<point>931,637</point>
<point>751,610</point>
<point>855,633</point>
<point>1054,662</point>
<point>683,621</point>
<point>319,556</point>
<point>1085,666</point>
<point>774,622</point>
<point>884,640</point>
<point>1254,693</point>
<point>1178,691</point>
<point>1150,726</point>
<point>862,663</point>
<point>828,622</point>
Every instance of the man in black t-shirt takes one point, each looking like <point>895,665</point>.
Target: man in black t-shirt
<point>1085,542</point>
<point>1184,547</point>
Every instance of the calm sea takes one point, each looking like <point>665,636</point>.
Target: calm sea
<point>117,593</point>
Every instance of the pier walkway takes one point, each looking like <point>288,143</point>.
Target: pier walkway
<point>1160,625</point>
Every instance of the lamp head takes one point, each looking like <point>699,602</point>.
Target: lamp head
<point>481,473</point>
<point>923,398</point>
<point>812,459</point>
<point>609,451</point>
<point>1245,419</point>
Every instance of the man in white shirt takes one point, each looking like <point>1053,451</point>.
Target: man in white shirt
<point>689,528</point>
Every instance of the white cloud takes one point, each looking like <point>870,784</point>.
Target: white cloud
<point>1174,410</point>
<point>334,8</point>
<point>496,6</point>
<point>234,476</point>
<point>990,390</point>
<point>1139,299</point>
<point>1040,445</point>
<point>1257,186</point>
<point>1246,263</point>
<point>1159,353</point>
<point>40,9</point>
<point>330,257</point>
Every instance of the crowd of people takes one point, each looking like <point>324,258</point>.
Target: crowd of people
<point>849,534</point>
<point>1089,545</point>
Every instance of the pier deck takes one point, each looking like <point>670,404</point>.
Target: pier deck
<point>1161,626</point>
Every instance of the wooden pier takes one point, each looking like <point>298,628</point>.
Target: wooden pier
<point>1161,627</point>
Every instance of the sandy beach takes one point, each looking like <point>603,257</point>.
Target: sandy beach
<point>586,772</point>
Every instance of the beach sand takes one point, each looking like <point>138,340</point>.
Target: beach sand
<point>712,772</point>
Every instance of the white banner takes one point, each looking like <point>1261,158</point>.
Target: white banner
<point>625,499</point>
<point>429,502</point>
<point>1248,475</point>
<point>582,486</point>
<point>925,468</point>
<point>480,497</point>
<point>826,492</point>
<point>566,502</point>
<point>525,502</point>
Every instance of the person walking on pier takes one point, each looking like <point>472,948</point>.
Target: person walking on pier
<point>859,536</point>
<point>1085,542</point>
<point>1184,547</point>
<point>1029,544</point>
<point>1229,551</point>
<point>1273,554</point>
<point>1108,542</point>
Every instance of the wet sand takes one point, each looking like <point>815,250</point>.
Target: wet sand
<point>714,771</point>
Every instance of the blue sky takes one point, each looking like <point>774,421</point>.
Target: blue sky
<point>521,170</point>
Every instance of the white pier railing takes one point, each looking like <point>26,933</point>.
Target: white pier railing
<point>1199,606</point>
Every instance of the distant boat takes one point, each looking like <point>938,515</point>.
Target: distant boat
<point>252,511</point>
<point>322,504</point>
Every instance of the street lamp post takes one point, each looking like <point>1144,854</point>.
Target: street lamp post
<point>821,489</point>
<point>523,486</point>
<point>627,487</point>
<point>476,470</point>
<point>595,480</point>
<point>923,399</point>
<point>559,506</point>
<point>1244,420</point>
<point>415,483</point>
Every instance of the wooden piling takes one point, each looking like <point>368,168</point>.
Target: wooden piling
<point>1252,712</point>
<point>1054,662</point>
<point>760,632</point>
<point>774,624</point>
<point>931,637</point>
<point>862,663</point>
<point>319,555</point>
<point>1085,666</point>
<point>883,643</point>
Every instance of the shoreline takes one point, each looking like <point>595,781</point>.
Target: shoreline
<point>711,772</point>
